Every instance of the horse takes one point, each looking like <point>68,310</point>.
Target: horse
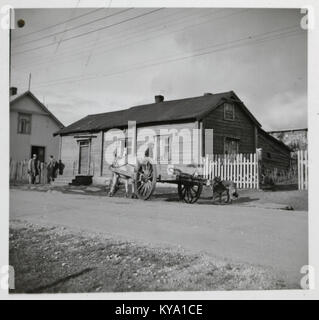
<point>120,162</point>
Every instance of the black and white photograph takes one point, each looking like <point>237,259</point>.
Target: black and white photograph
<point>157,149</point>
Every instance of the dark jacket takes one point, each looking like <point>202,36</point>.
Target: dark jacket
<point>34,167</point>
<point>52,167</point>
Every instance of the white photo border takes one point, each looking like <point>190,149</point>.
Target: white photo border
<point>313,132</point>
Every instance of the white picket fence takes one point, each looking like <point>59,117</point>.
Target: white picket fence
<point>302,157</point>
<point>19,172</point>
<point>239,168</point>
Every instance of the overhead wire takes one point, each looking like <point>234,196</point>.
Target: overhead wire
<point>55,25</point>
<point>88,32</point>
<point>79,48</point>
<point>235,44</point>
<point>123,42</point>
<point>96,40</point>
<point>73,28</point>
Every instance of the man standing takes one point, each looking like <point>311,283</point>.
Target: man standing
<point>33,169</point>
<point>61,167</point>
<point>51,169</point>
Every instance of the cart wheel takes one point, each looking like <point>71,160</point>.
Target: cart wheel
<point>145,179</point>
<point>224,199</point>
<point>189,193</point>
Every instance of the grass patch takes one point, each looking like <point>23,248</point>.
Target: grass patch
<point>55,259</point>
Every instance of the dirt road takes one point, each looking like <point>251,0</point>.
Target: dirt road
<point>265,237</point>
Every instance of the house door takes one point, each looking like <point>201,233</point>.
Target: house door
<point>39,151</point>
<point>84,157</point>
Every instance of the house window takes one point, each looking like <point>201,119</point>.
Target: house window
<point>229,111</point>
<point>231,145</point>
<point>163,148</point>
<point>124,145</point>
<point>24,123</point>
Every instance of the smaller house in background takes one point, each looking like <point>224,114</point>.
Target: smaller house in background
<point>295,139</point>
<point>31,128</point>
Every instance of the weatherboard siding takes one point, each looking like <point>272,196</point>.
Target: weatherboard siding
<point>273,155</point>
<point>179,148</point>
<point>241,128</point>
<point>70,153</point>
<point>96,153</point>
<point>42,129</point>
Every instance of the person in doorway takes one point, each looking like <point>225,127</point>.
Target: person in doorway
<point>51,169</point>
<point>61,167</point>
<point>33,169</point>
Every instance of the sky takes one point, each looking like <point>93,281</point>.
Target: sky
<point>94,60</point>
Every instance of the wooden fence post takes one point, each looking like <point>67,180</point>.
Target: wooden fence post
<point>306,169</point>
<point>302,167</point>
<point>243,169</point>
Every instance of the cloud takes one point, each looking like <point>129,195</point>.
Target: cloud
<point>285,111</point>
<point>270,77</point>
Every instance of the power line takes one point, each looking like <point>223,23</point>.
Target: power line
<point>57,24</point>
<point>76,47</point>
<point>174,59</point>
<point>214,45</point>
<point>107,42</point>
<point>112,47</point>
<point>94,44</point>
<point>163,62</point>
<point>73,28</point>
<point>273,37</point>
<point>89,32</point>
<point>59,41</point>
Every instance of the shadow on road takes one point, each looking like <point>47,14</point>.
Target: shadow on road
<point>246,199</point>
<point>59,281</point>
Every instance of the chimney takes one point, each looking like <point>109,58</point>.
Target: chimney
<point>159,99</point>
<point>13,91</point>
<point>208,94</point>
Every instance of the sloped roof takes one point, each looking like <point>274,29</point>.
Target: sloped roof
<point>167,111</point>
<point>44,108</point>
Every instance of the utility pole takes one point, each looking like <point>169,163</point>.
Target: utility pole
<point>10,24</point>
<point>29,86</point>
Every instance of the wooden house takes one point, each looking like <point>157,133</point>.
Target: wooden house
<point>31,128</point>
<point>84,148</point>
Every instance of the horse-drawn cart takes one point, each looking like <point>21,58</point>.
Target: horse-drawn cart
<point>145,176</point>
